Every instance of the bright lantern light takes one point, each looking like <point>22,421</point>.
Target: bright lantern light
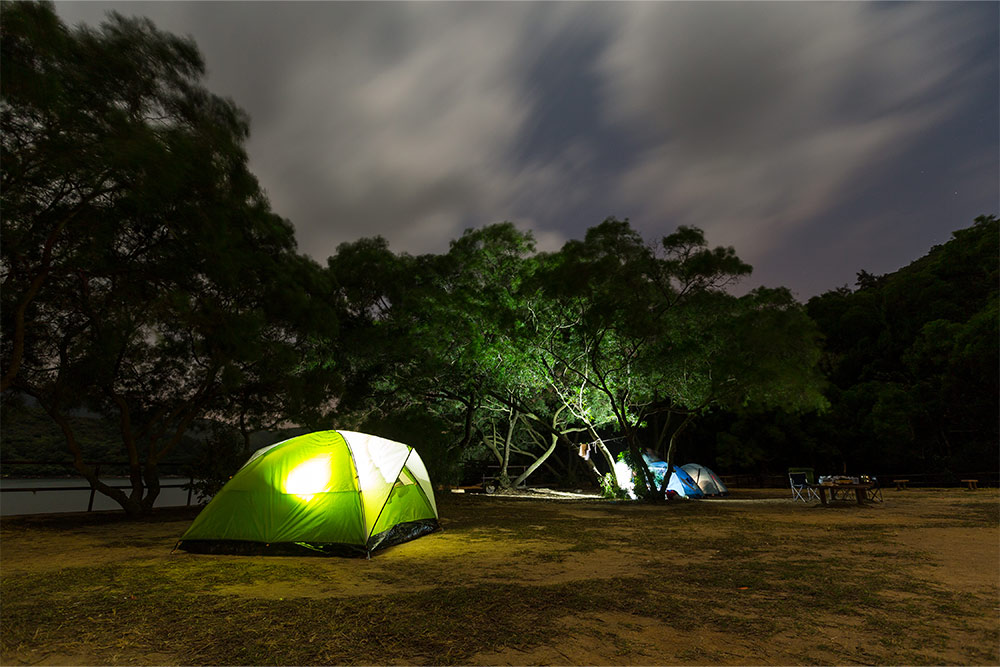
<point>309,478</point>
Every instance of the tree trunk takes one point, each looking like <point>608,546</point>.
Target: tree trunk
<point>491,444</point>
<point>554,431</point>
<point>605,452</point>
<point>17,348</point>
<point>503,480</point>
<point>151,474</point>
<point>537,463</point>
<point>137,503</point>
<point>647,489</point>
<point>554,437</point>
<point>598,477</point>
<point>89,473</point>
<point>670,453</point>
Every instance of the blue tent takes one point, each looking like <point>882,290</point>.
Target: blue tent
<point>707,480</point>
<point>680,482</point>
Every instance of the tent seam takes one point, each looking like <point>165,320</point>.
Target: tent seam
<point>423,494</point>
<point>357,483</point>
<point>388,495</point>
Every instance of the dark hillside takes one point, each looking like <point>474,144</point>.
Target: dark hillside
<point>913,358</point>
<point>27,433</point>
<point>912,363</point>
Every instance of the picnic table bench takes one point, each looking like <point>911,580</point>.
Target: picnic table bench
<point>900,483</point>
<point>860,491</point>
<point>973,483</point>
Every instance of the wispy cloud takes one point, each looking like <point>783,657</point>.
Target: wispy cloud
<point>755,121</point>
<point>758,117</point>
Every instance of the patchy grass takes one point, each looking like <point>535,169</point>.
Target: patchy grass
<point>527,582</point>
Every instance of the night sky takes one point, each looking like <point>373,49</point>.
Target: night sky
<point>818,139</point>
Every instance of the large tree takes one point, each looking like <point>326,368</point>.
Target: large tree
<point>608,334</point>
<point>649,331</point>
<point>144,274</point>
<point>434,330</point>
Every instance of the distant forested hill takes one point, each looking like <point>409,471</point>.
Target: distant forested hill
<point>911,359</point>
<point>27,433</point>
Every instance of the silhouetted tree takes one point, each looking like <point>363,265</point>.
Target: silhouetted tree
<point>144,274</point>
<point>913,360</point>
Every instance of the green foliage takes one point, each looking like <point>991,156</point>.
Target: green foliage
<point>913,357</point>
<point>144,275</point>
<point>168,289</point>
<point>604,334</point>
<point>146,279</point>
<point>610,488</point>
<point>645,331</point>
<point>438,334</point>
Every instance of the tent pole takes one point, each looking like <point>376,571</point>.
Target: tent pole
<point>379,516</point>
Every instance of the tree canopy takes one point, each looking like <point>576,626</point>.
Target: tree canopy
<point>524,351</point>
<point>144,274</point>
<point>913,359</point>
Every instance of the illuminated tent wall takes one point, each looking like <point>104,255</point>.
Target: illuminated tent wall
<point>331,492</point>
<point>707,481</point>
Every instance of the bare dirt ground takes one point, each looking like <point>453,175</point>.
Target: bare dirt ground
<point>753,579</point>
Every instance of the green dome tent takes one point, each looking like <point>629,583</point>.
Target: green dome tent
<point>331,492</point>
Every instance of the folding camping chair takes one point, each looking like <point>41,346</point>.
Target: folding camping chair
<point>874,494</point>
<point>799,484</point>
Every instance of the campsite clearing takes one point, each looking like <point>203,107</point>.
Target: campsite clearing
<point>752,579</point>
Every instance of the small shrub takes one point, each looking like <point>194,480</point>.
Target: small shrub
<point>610,488</point>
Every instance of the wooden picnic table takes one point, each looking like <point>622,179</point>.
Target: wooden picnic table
<point>860,490</point>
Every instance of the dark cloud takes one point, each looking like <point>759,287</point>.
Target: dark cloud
<point>789,130</point>
<point>767,115</point>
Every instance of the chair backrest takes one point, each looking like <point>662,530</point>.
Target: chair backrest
<point>797,478</point>
<point>808,472</point>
